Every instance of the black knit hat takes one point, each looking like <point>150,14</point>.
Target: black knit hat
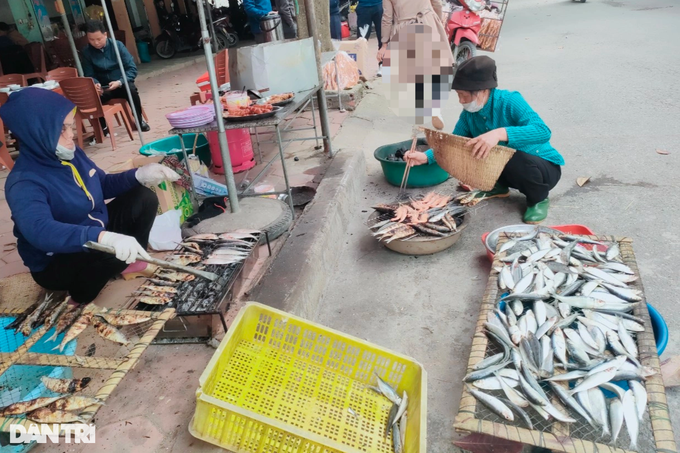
<point>477,73</point>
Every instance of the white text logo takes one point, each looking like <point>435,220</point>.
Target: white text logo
<point>73,433</point>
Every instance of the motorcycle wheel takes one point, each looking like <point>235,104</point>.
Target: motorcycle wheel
<point>232,39</point>
<point>165,49</point>
<point>466,50</point>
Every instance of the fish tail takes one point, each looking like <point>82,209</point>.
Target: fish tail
<point>56,347</point>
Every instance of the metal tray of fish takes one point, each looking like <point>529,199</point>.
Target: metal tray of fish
<point>564,355</point>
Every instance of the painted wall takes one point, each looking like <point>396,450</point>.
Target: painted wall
<point>24,18</point>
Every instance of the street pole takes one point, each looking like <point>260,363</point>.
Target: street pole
<point>69,36</point>
<point>221,135</point>
<point>135,113</point>
<point>211,26</point>
<point>321,94</point>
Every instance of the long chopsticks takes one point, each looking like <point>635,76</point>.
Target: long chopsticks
<point>404,180</point>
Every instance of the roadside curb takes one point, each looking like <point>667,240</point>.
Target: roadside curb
<point>170,68</point>
<point>296,280</point>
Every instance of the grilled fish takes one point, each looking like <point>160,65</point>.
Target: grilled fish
<point>202,237</point>
<point>123,319</point>
<point>26,406</point>
<point>74,403</point>
<point>175,276</point>
<point>71,313</point>
<point>65,385</point>
<point>154,300</point>
<point>184,260</point>
<point>107,331</point>
<point>76,329</point>
<point>163,289</point>
<point>46,415</point>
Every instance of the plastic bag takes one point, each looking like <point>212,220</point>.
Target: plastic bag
<point>165,232</point>
<point>347,73</point>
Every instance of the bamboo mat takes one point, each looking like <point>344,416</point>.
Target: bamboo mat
<point>656,431</point>
<point>106,367</point>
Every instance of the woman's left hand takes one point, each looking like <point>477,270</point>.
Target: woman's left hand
<point>481,145</point>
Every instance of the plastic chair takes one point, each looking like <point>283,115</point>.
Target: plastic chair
<point>60,74</point>
<point>5,158</point>
<point>222,73</point>
<point>36,52</point>
<point>82,92</point>
<point>61,53</point>
<point>128,111</point>
<point>120,36</point>
<point>13,79</point>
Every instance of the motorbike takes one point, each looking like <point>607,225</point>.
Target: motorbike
<point>462,28</point>
<point>180,33</point>
<point>463,25</point>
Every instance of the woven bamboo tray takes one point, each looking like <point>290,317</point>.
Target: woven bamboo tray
<point>454,157</point>
<point>656,431</point>
<point>96,365</point>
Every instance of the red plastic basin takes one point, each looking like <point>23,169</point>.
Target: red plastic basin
<point>569,229</point>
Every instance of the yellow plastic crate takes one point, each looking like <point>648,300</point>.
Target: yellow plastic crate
<point>282,384</point>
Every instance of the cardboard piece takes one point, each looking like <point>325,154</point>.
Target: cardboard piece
<point>170,195</point>
<point>357,49</point>
<point>274,67</point>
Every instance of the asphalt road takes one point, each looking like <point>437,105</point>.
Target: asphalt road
<point>603,76</point>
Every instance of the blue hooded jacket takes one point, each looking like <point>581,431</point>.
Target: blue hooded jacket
<point>52,213</point>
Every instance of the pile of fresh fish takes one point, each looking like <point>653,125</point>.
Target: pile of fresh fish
<point>59,409</point>
<point>398,415</point>
<point>564,323</point>
<point>196,251</point>
<point>431,215</point>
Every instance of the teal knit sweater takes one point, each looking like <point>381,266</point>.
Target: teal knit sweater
<point>526,130</point>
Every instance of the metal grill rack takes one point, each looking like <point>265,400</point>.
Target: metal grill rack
<point>200,297</point>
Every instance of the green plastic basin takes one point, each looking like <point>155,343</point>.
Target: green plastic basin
<point>419,176</point>
<point>173,147</point>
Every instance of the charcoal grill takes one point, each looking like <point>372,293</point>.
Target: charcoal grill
<point>197,301</point>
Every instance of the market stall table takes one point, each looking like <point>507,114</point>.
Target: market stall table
<point>281,122</point>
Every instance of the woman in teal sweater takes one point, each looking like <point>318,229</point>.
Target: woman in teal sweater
<point>497,117</point>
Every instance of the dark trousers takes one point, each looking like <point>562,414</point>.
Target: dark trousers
<point>371,16</point>
<point>120,93</point>
<point>84,274</point>
<point>336,27</point>
<point>531,175</point>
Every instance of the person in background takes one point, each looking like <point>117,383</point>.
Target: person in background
<point>56,196</point>
<point>336,25</point>
<point>369,13</point>
<point>99,62</point>
<point>493,117</point>
<point>256,10</point>
<point>13,34</point>
<point>286,11</point>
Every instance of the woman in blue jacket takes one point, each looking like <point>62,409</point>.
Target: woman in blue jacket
<point>56,196</point>
<point>498,117</point>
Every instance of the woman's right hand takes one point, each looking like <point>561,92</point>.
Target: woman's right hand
<point>415,157</point>
<point>381,53</point>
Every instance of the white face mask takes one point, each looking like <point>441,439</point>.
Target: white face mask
<point>473,107</point>
<point>64,153</point>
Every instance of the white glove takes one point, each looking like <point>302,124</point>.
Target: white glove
<point>127,248</point>
<point>154,174</point>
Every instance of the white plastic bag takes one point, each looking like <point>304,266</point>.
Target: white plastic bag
<point>165,232</point>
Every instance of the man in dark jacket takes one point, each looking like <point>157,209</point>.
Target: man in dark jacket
<point>256,10</point>
<point>56,195</point>
<point>369,13</point>
<point>99,62</point>
<point>336,25</point>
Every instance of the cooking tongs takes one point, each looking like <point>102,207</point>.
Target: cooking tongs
<point>161,263</point>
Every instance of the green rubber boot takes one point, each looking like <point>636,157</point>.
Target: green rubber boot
<point>537,213</point>
<point>498,191</point>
